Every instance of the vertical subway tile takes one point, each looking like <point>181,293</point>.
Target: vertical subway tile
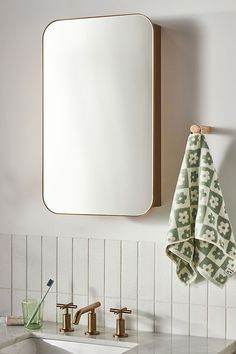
<point>81,301</point>
<point>198,320</point>
<point>19,262</point>
<point>33,263</point>
<point>132,319</point>
<point>5,303</point>
<point>112,268</point>
<point>5,261</point>
<point>162,278</point>
<point>146,286</point>
<point>163,317</point>
<point>146,271</point>
<point>216,295</point>
<point>180,319</point>
<point>231,323</point>
<point>80,266</point>
<point>17,297</point>
<point>49,263</point>
<point>96,269</point>
<point>146,318</point>
<point>64,298</point>
<point>64,265</point>
<point>198,293</point>
<point>110,317</point>
<point>49,311</point>
<point>180,290</point>
<point>34,295</point>
<point>216,322</point>
<point>231,291</point>
<point>129,270</point>
<point>96,277</point>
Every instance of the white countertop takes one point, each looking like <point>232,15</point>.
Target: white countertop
<point>148,343</point>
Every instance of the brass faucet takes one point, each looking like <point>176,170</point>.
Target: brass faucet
<point>120,322</point>
<point>90,309</point>
<point>66,324</point>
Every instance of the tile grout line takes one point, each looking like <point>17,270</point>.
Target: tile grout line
<point>121,270</point>
<point>154,290</point>
<point>26,266</point>
<point>171,294</point>
<point>88,245</point>
<point>56,277</point>
<point>189,309</point>
<point>11,238</point>
<point>207,319</point>
<point>137,300</point>
<point>41,278</point>
<point>104,281</point>
<point>226,314</point>
<point>72,270</point>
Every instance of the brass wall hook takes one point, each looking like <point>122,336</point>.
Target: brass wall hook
<point>200,129</point>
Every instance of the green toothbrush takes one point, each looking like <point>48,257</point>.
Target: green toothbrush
<point>49,284</point>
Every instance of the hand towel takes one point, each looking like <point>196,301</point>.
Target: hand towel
<point>200,238</point>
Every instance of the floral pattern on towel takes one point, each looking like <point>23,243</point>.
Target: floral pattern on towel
<point>200,239</point>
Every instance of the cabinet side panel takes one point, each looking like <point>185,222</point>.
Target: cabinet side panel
<point>157,117</point>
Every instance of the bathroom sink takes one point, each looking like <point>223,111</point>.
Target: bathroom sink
<point>35,345</point>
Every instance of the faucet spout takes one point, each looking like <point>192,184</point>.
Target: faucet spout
<point>89,308</point>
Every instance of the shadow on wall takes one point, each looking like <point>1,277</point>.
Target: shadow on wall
<point>181,47</point>
<point>195,91</point>
<point>227,175</point>
<point>181,69</point>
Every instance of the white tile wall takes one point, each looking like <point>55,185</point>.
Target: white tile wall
<point>146,286</point>
<point>112,269</point>
<point>180,319</point>
<point>64,266</point>
<point>80,267</point>
<point>5,261</point>
<point>216,322</point>
<point>198,320</point>
<point>96,273</point>
<point>34,263</point>
<point>117,273</point>
<point>129,270</point>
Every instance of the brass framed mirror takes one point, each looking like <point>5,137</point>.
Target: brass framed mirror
<point>101,115</point>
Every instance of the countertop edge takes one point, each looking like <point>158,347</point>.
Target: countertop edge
<point>147,342</point>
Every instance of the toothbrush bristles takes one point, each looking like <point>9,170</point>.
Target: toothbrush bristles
<point>50,282</point>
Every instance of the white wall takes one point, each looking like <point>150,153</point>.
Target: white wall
<point>198,86</point>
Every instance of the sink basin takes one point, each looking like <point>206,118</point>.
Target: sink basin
<point>35,345</point>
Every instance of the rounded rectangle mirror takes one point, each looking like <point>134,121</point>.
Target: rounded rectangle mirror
<point>101,114</point>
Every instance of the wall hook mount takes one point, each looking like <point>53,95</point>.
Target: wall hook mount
<point>203,129</point>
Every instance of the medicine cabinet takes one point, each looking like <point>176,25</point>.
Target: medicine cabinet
<point>101,115</point>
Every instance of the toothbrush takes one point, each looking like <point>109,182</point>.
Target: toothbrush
<point>49,284</point>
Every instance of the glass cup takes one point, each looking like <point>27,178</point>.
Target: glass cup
<point>28,307</point>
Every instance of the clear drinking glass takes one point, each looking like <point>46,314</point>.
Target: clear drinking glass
<point>28,307</point>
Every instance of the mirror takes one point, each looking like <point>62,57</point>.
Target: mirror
<point>101,115</point>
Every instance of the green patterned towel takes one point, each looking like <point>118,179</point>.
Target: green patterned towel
<point>200,238</point>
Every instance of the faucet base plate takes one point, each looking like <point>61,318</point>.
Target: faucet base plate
<point>120,335</point>
<point>66,330</point>
<point>94,333</point>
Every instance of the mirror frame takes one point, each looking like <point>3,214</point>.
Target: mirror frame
<point>156,115</point>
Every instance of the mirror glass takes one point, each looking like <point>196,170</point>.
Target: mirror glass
<point>98,115</point>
